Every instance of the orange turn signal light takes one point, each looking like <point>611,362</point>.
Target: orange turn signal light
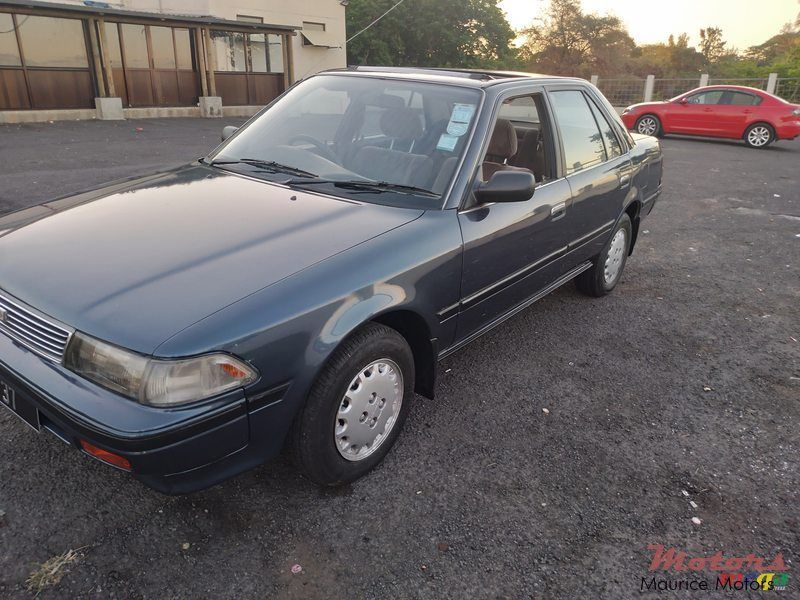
<point>106,456</point>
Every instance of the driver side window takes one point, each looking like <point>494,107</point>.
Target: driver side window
<point>519,140</point>
<point>710,97</point>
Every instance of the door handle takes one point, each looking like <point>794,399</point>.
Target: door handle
<point>558,211</point>
<point>624,180</point>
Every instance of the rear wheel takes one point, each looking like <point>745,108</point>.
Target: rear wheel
<point>607,268</point>
<point>648,125</point>
<point>759,135</point>
<point>356,408</point>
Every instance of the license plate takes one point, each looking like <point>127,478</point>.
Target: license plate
<point>21,407</point>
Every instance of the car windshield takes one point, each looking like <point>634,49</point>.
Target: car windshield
<point>388,141</point>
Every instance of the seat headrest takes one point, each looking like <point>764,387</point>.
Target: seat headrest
<point>401,124</point>
<point>504,140</point>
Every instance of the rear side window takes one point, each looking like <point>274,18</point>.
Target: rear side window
<point>741,99</point>
<point>582,140</point>
<point>613,147</point>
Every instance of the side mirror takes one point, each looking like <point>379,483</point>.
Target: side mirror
<point>507,186</point>
<point>683,101</point>
<point>228,132</point>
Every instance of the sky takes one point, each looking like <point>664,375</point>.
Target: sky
<point>744,23</point>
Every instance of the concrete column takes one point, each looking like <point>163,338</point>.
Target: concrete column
<point>704,80</point>
<point>772,83</point>
<point>109,109</point>
<point>210,106</point>
<point>649,84</point>
<point>594,79</point>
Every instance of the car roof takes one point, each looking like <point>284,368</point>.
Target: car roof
<point>464,77</point>
<point>736,88</point>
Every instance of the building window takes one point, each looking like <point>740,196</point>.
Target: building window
<point>248,52</point>
<point>249,19</point>
<point>51,42</point>
<point>9,53</point>
<point>311,26</point>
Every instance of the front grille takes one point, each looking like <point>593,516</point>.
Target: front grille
<point>33,329</point>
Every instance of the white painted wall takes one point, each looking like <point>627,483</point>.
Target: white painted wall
<point>307,59</point>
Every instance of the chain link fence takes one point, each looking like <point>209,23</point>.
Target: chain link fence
<point>622,92</point>
<point>788,88</point>
<point>630,90</point>
<point>664,89</point>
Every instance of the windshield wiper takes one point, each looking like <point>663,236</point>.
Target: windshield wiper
<point>368,186</point>
<point>268,165</point>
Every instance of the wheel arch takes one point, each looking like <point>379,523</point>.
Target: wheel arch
<point>632,210</point>
<point>761,122</point>
<point>656,116</point>
<point>413,327</point>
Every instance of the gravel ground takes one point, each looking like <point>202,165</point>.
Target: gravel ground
<point>687,378</point>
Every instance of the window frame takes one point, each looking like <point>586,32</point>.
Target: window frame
<point>471,164</point>
<point>757,99</point>
<point>688,97</point>
<point>625,142</point>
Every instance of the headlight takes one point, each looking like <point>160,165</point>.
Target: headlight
<point>154,381</point>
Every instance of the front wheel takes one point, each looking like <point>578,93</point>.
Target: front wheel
<point>607,268</point>
<point>648,125</point>
<point>356,408</point>
<point>759,135</point>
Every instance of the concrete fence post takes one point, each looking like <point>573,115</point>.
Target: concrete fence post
<point>704,80</point>
<point>649,84</point>
<point>594,79</point>
<point>772,83</point>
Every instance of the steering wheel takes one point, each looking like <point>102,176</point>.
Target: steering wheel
<point>323,149</point>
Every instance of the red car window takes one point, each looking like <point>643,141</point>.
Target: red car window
<point>740,99</point>
<point>709,97</point>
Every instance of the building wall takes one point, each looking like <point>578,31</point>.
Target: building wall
<point>307,59</point>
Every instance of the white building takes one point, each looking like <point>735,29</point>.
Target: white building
<point>81,59</point>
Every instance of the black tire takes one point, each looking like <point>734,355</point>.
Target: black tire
<point>759,135</point>
<point>312,443</point>
<point>645,123</point>
<point>592,282</point>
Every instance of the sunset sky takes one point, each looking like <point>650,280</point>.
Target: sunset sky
<point>744,22</point>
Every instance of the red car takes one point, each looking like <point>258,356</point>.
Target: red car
<point>728,111</point>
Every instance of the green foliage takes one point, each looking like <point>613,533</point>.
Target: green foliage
<point>436,33</point>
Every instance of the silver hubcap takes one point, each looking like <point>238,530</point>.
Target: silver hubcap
<point>648,126</point>
<point>616,254</point>
<point>369,409</point>
<point>758,136</point>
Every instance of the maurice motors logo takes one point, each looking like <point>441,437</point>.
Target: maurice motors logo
<point>733,573</point>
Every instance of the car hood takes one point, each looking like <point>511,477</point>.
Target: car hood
<point>138,261</point>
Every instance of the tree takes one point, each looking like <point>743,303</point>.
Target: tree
<point>712,46</point>
<point>567,41</point>
<point>430,33</point>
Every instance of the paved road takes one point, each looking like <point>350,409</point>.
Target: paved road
<point>485,495</point>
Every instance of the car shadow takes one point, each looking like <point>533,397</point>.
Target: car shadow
<point>774,147</point>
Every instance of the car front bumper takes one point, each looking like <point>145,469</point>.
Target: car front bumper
<point>177,450</point>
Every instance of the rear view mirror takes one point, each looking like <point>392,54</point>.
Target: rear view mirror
<point>507,186</point>
<point>228,132</point>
